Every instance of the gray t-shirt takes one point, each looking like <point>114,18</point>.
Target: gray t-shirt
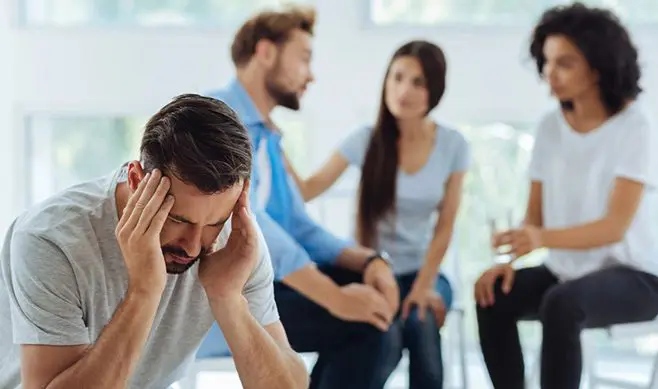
<point>63,276</point>
<point>407,233</point>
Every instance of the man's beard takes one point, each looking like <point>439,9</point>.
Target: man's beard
<point>281,96</point>
<point>179,268</point>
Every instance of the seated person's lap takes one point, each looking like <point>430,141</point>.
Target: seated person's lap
<point>311,327</point>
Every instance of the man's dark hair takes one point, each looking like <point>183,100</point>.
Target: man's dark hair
<point>200,141</point>
<point>604,41</point>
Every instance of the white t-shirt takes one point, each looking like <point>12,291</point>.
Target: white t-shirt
<point>63,276</point>
<point>578,173</point>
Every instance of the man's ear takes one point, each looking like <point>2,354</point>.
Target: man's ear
<point>135,175</point>
<point>266,52</point>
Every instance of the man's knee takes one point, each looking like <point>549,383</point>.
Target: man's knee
<point>376,338</point>
<point>560,306</point>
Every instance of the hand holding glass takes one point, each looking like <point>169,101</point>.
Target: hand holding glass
<point>503,223</point>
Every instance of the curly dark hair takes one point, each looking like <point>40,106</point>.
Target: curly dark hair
<point>604,41</point>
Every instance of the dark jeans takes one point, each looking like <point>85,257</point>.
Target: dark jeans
<point>421,339</point>
<point>350,355</point>
<point>614,295</point>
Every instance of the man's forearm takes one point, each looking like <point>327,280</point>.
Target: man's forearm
<point>310,282</point>
<point>354,258</point>
<point>111,361</point>
<point>259,360</point>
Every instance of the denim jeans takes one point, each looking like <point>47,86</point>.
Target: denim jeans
<point>421,339</point>
<point>350,355</point>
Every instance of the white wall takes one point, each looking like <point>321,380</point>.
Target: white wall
<point>135,71</point>
<point>7,156</point>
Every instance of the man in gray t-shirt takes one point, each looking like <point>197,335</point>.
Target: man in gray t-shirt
<point>115,282</point>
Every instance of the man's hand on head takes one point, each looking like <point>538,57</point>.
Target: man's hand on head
<point>225,272</point>
<point>138,233</point>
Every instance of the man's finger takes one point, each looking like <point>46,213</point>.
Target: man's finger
<point>153,206</point>
<point>127,210</point>
<point>243,200</point>
<point>391,294</point>
<point>379,322</point>
<point>160,217</point>
<point>380,306</point>
<point>245,190</point>
<point>144,197</point>
<point>248,227</point>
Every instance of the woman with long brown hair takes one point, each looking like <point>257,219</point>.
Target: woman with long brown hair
<point>412,170</point>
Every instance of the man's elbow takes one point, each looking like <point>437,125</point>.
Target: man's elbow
<point>297,377</point>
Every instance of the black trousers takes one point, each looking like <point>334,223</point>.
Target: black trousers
<point>614,295</point>
<point>351,355</point>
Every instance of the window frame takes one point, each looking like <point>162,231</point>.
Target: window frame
<point>19,15</point>
<point>23,189</point>
<point>453,25</point>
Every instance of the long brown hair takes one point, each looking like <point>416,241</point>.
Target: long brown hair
<point>380,165</point>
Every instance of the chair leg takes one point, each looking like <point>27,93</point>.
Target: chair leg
<point>462,351</point>
<point>532,378</point>
<point>653,384</point>
<point>189,381</point>
<point>589,361</point>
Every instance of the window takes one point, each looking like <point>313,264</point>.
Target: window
<point>63,151</point>
<point>66,150</point>
<point>224,13</point>
<point>498,12</point>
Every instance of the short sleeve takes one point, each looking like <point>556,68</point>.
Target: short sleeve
<point>635,160</point>
<point>538,156</point>
<point>45,302</point>
<point>462,160</point>
<point>355,145</point>
<point>259,290</point>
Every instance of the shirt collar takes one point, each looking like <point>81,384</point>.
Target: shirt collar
<point>244,105</point>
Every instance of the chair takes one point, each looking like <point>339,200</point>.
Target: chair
<point>594,380</point>
<point>213,355</point>
<point>455,321</point>
<point>621,331</point>
<point>212,358</point>
<point>454,327</point>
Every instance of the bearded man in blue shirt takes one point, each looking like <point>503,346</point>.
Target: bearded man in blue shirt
<point>335,297</point>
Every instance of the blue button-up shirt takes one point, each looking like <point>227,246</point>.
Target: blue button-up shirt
<point>293,238</point>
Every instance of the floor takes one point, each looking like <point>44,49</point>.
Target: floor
<point>630,368</point>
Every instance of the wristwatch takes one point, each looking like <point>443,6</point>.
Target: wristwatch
<point>383,255</point>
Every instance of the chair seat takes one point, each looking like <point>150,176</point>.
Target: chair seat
<point>632,330</point>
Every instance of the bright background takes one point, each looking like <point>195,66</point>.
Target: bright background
<point>78,79</point>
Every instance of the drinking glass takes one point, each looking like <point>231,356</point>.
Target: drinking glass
<point>500,222</point>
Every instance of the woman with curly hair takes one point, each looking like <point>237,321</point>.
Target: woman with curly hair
<point>593,180</point>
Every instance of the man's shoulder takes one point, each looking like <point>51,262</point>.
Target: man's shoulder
<point>230,96</point>
<point>222,94</point>
<point>70,220</point>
